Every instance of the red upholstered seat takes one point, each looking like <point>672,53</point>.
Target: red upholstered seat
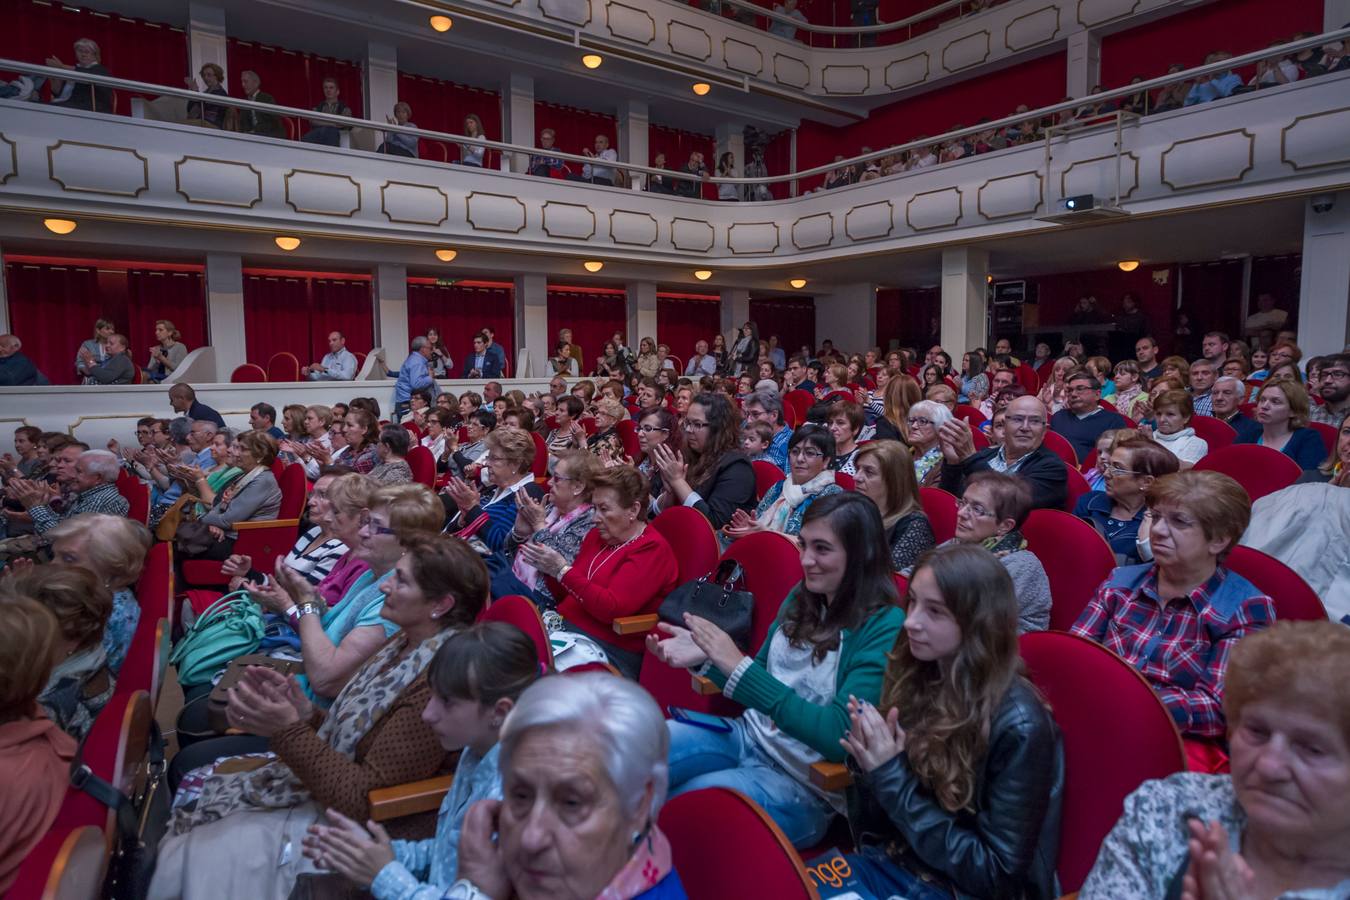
<point>800,401</point>
<point>414,432</point>
<point>522,613</point>
<point>248,373</point>
<point>1117,734</point>
<point>726,847</point>
<point>114,747</point>
<point>1260,470</point>
<point>294,492</point>
<point>773,567</point>
<point>1061,448</point>
<point>940,508</point>
<point>1076,559</point>
<point>154,589</point>
<point>1294,599</point>
<point>1327,433</point>
<point>766,476</point>
<point>969,414</point>
<point>1077,486</point>
<point>628,436</point>
<point>68,863</point>
<point>147,658</point>
<point>137,495</point>
<point>283,366</point>
<point>691,538</point>
<point>1214,432</point>
<point>844,480</point>
<point>423,465</point>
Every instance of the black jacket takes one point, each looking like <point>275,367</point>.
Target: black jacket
<point>730,487</point>
<point>1042,468</point>
<point>1008,847</point>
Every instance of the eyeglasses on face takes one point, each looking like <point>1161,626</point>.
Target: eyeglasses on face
<point>806,453</point>
<point>1116,471</point>
<point>918,422</point>
<point>693,425</point>
<point>373,527</point>
<point>648,429</point>
<point>976,509</point>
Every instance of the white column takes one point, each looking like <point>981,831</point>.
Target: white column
<point>381,80</point>
<point>847,315</point>
<point>641,312</point>
<point>206,40</point>
<point>792,163</point>
<point>391,313</point>
<point>1324,290</point>
<point>633,142</point>
<point>1085,62</point>
<point>225,312</point>
<point>518,117</point>
<point>964,298</point>
<point>730,139</point>
<point>736,312</point>
<point>1335,13</point>
<point>532,325</point>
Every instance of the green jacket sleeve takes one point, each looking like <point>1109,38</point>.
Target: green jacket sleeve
<point>862,665</point>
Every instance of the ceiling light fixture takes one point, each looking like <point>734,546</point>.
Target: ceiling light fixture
<point>59,226</point>
<point>447,255</point>
<point>989,279</point>
<point>287,243</point>
<point>592,265</point>
<point>1128,265</point>
<point>592,60</point>
<point>441,23</point>
<point>702,274</point>
<point>797,283</point>
<point>701,88</point>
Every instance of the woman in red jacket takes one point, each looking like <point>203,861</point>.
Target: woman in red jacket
<point>624,568</point>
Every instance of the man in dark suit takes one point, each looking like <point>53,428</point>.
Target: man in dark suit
<point>1023,454</point>
<point>481,363</point>
<point>1227,396</point>
<point>251,121</point>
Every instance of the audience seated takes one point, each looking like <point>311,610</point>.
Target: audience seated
<point>958,777</point>
<point>373,736</point>
<point>1226,398</point>
<point>1333,389</point>
<point>212,115</point>
<point>393,447</point>
<point>1172,413</point>
<point>885,475</point>
<point>338,363</point>
<point>1282,410</point>
<point>398,143</point>
<point>809,478</point>
<point>252,121</point>
<point>561,523</point>
<point>167,354</point>
<point>924,427</point>
<point>16,369</point>
<point>1082,419</point>
<point>35,754</point>
<point>1022,454</point>
<point>711,473</point>
<point>1120,511</point>
<point>87,483</point>
<point>113,548</point>
<point>253,496</point>
<point>1277,824</point>
<point>491,516</point>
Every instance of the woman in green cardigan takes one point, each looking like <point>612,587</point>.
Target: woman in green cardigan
<point>828,644</point>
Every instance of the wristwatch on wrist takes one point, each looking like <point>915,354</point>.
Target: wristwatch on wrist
<point>311,607</point>
<point>562,573</point>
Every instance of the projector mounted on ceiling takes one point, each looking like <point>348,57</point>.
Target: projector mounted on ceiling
<point>1083,208</point>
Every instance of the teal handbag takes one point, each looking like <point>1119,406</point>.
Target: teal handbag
<point>229,628</point>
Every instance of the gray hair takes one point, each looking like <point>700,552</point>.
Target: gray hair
<point>418,343</point>
<point>769,401</point>
<point>1237,382</point>
<point>89,45</point>
<point>179,429</point>
<point>12,340</point>
<point>209,425</point>
<point>101,463</point>
<point>932,410</point>
<point>616,713</point>
<point>404,105</point>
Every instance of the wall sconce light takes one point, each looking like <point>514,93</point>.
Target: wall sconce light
<point>592,265</point>
<point>1128,265</point>
<point>592,60</point>
<point>447,255</point>
<point>701,88</point>
<point>287,243</point>
<point>441,23</point>
<point>702,274</point>
<point>59,226</point>
<point>797,283</point>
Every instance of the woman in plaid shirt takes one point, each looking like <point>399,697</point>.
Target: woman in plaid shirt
<point>1176,619</point>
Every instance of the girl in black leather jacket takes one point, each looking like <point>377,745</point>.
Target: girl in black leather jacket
<point>956,786</point>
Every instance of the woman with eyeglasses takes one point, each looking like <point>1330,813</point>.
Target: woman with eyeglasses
<point>990,514</point>
<point>925,418</point>
<point>1119,512</point>
<point>491,514</point>
<point>810,452</point>
<point>659,427</point>
<point>561,522</point>
<point>712,474</point>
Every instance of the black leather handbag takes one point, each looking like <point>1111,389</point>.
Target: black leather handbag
<point>717,598</point>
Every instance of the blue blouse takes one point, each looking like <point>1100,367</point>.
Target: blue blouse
<point>121,627</point>
<point>1095,507</point>
<point>362,606</point>
<point>1304,447</point>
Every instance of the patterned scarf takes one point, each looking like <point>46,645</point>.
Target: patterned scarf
<point>651,861</point>
<point>1008,543</point>
<point>794,495</point>
<point>924,464</point>
<point>358,708</point>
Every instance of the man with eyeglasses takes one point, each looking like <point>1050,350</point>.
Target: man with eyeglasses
<point>1082,420</point>
<point>1225,400</point>
<point>795,378</point>
<point>1334,390</point>
<point>1022,454</point>
<point>767,406</point>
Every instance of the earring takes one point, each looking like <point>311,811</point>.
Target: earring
<point>435,615</point>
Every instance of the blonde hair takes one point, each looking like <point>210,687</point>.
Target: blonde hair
<point>350,493</point>
<point>1296,395</point>
<point>27,650</point>
<point>413,509</point>
<point>116,548</point>
<point>76,596</point>
<point>897,473</point>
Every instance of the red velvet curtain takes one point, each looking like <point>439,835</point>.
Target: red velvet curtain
<point>677,145</point>
<point>778,159</point>
<point>1211,297</point>
<point>52,308</point>
<point>1238,26</point>
<point>593,316</point>
<point>293,77</point>
<point>295,313</point>
<point>793,319</point>
<point>905,316</point>
<point>129,47</point>
<point>442,105</point>
<point>683,321</point>
<point>1279,276</point>
<point>459,312</point>
<point>1154,285</point>
<point>575,129</point>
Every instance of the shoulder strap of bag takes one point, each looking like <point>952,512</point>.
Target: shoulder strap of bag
<point>82,778</point>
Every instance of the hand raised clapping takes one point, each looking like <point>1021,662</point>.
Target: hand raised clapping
<point>872,740</point>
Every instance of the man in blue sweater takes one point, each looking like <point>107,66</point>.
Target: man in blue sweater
<point>414,374</point>
<point>1083,420</point>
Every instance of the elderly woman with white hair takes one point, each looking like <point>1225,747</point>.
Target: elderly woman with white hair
<point>925,418</point>
<point>583,764</point>
<point>81,94</point>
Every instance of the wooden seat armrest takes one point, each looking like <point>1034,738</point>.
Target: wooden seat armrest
<point>266,523</point>
<point>409,799</point>
<point>704,685</point>
<point>830,776</point>
<point>635,624</point>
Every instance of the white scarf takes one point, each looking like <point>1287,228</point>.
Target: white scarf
<point>793,496</point>
<point>1187,432</point>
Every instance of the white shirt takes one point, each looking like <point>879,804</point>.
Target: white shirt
<point>601,172</point>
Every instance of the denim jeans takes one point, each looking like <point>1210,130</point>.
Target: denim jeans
<point>700,758</point>
<point>883,879</point>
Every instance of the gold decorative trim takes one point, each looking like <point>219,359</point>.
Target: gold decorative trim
<point>890,228</point>
<point>960,209</point>
<point>1040,195</point>
<point>988,43</point>
<point>777,238</point>
<point>13,158</point>
<point>543,11</point>
<point>1094,23</point>
<point>670,41</point>
<point>712,235</point>
<point>825,243</point>
<point>927,70</point>
<point>178,182</point>
<point>648,42</point>
<point>866,87</point>
<point>544,217</point>
<point>51,169</point>
<point>1284,134</point>
<point>286,179</point>
<point>445,201</point>
<point>803,63</point>
<point>1251,159</point>
<point>1007,28</point>
<point>656,228</point>
<point>727,62</point>
<point>1064,176</point>
<point>468,216</point>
